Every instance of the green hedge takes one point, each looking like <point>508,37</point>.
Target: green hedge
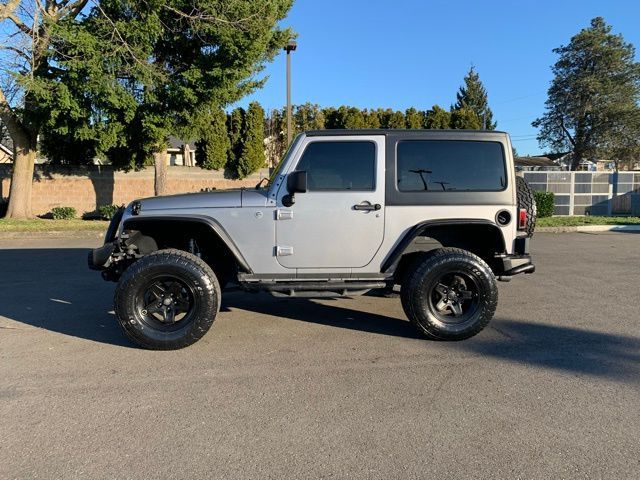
<point>108,211</point>
<point>544,203</point>
<point>63,213</point>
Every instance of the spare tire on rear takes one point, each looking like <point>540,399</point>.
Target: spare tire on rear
<point>527,200</point>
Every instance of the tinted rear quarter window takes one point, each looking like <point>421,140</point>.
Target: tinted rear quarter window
<point>347,165</point>
<point>450,166</point>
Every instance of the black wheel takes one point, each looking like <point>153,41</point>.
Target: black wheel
<point>451,294</point>
<point>167,300</point>
<point>527,200</point>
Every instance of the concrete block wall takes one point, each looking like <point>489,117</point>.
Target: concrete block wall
<point>86,188</point>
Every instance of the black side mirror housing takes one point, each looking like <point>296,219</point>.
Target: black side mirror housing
<point>297,182</point>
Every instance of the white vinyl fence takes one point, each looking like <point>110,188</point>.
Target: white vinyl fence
<point>588,193</point>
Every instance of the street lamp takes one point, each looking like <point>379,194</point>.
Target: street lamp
<point>290,47</point>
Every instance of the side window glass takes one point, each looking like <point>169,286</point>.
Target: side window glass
<point>450,165</point>
<point>339,165</point>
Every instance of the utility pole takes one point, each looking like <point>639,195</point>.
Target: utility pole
<point>291,46</point>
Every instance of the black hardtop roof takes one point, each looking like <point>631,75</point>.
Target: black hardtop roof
<point>403,132</point>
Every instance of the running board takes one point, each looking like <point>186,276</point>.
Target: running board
<point>316,289</point>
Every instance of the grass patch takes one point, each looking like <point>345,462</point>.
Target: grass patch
<point>578,220</point>
<point>40,225</point>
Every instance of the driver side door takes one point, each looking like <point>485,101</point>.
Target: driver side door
<point>339,221</point>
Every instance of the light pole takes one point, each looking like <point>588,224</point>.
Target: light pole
<point>291,46</point>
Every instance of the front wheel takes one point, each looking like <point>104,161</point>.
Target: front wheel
<point>167,300</point>
<point>451,294</point>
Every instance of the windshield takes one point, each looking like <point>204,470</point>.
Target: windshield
<point>276,171</point>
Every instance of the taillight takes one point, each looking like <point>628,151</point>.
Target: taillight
<point>522,219</point>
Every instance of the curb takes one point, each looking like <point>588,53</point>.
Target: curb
<point>589,228</point>
<point>51,234</point>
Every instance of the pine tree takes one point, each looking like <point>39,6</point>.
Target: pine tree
<point>395,120</point>
<point>213,147</point>
<point>437,118</point>
<point>371,118</point>
<point>235,127</point>
<point>592,104</point>
<point>473,95</point>
<point>252,156</point>
<point>465,119</point>
<point>413,118</point>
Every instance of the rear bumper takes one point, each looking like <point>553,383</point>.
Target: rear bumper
<point>519,262</point>
<point>515,264</point>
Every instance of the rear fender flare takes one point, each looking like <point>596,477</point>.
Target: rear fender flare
<point>392,260</point>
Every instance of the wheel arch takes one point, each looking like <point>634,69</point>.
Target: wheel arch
<point>487,239</point>
<point>157,227</point>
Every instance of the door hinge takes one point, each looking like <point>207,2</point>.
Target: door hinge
<point>284,214</point>
<point>283,251</point>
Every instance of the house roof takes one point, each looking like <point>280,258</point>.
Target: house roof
<point>556,156</point>
<point>534,162</point>
<point>6,150</point>
<point>175,142</point>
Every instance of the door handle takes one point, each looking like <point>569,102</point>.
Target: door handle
<point>367,206</point>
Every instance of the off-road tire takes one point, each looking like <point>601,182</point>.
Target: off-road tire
<point>187,270</point>
<point>527,200</point>
<point>417,291</point>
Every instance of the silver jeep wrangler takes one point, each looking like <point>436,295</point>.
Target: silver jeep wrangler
<point>439,214</point>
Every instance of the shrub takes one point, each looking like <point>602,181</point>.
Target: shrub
<point>63,213</point>
<point>4,204</point>
<point>544,203</point>
<point>108,211</point>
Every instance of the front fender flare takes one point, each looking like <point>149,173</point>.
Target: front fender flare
<point>131,223</point>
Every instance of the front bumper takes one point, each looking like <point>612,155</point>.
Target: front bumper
<point>100,258</point>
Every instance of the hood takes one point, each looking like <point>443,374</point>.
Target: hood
<point>215,199</point>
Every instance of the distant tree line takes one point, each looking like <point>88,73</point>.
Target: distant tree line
<point>238,143</point>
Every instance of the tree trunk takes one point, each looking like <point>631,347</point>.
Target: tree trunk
<point>22,178</point>
<point>160,179</point>
<point>575,161</point>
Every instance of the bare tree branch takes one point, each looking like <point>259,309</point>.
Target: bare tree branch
<point>9,117</point>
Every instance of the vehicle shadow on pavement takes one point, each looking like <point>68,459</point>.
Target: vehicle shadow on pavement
<point>335,315</point>
<point>54,290</point>
<point>569,349</point>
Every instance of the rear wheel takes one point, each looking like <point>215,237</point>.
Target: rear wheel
<point>451,294</point>
<point>167,300</point>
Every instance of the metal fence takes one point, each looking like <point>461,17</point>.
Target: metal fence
<point>588,193</point>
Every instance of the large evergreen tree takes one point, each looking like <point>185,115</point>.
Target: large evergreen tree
<point>473,95</point>
<point>184,59</point>
<point>592,104</point>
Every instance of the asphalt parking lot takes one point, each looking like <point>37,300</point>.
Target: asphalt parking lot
<point>284,388</point>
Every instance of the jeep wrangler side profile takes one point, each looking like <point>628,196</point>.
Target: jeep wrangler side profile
<point>439,214</point>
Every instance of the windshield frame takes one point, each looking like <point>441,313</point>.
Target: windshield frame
<point>273,184</point>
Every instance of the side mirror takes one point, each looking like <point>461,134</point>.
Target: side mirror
<point>296,183</point>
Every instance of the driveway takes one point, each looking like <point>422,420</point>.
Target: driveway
<point>294,388</point>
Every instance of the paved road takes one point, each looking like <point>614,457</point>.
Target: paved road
<point>333,388</point>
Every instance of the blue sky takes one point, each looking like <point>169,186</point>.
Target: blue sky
<point>402,53</point>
